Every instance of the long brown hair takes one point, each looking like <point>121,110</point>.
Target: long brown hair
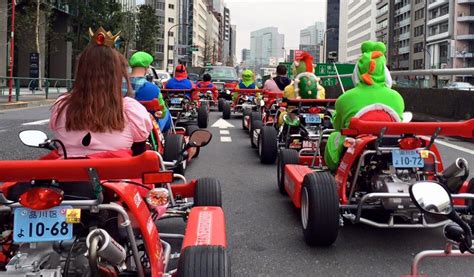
<point>95,102</point>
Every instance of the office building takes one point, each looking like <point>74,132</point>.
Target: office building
<point>266,45</point>
<point>233,44</point>
<point>161,41</point>
<point>331,39</point>
<point>464,34</point>
<point>313,50</point>
<point>245,55</point>
<point>357,24</point>
<point>313,34</point>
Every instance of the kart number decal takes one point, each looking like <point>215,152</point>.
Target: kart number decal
<point>407,159</point>
<point>204,228</point>
<point>138,199</point>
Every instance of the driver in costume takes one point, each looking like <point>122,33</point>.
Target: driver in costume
<point>372,91</point>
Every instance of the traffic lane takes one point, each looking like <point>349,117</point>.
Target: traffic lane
<point>263,227</point>
<point>14,118</point>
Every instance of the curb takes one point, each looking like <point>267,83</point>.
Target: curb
<point>24,104</point>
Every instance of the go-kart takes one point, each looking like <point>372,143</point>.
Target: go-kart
<point>207,97</point>
<point>246,100</point>
<point>305,123</point>
<point>380,162</point>
<point>171,145</point>
<point>185,108</point>
<point>97,216</point>
<point>434,199</point>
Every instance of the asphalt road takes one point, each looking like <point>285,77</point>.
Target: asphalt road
<point>263,227</point>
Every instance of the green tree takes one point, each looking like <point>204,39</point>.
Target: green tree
<point>148,28</point>
<point>93,14</point>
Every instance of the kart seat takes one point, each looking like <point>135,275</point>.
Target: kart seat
<point>378,112</point>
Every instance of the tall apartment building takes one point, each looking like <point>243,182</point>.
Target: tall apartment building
<point>333,23</point>
<point>226,35</point>
<point>440,28</point>
<point>245,55</point>
<point>212,38</point>
<point>464,34</point>
<point>160,11</point>
<point>128,5</point>
<point>199,30</point>
<point>233,44</point>
<point>357,24</point>
<point>383,20</point>
<point>266,45</point>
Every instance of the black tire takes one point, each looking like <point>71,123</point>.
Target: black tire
<point>189,130</point>
<point>286,156</point>
<point>254,116</point>
<point>268,145</point>
<point>319,209</point>
<point>245,113</point>
<point>203,116</point>
<point>204,261</point>
<point>220,104</point>
<point>226,110</point>
<point>256,124</point>
<point>174,144</point>
<point>207,192</point>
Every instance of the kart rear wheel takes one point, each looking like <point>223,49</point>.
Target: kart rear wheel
<point>220,104</point>
<point>256,124</point>
<point>246,113</point>
<point>226,110</point>
<point>203,116</point>
<point>319,209</point>
<point>207,192</point>
<point>189,130</point>
<point>204,261</point>
<point>174,144</point>
<point>286,156</point>
<point>268,145</point>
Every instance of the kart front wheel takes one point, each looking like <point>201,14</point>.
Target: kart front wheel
<point>207,192</point>
<point>220,104</point>
<point>246,114</point>
<point>204,261</point>
<point>189,130</point>
<point>319,209</point>
<point>286,156</point>
<point>174,144</point>
<point>256,124</point>
<point>268,145</point>
<point>203,116</point>
<point>226,110</point>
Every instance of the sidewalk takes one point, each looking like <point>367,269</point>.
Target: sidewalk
<point>28,100</point>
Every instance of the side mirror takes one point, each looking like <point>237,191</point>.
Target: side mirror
<point>32,138</point>
<point>200,138</point>
<point>407,117</point>
<point>431,197</point>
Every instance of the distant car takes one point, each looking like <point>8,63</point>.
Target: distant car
<point>193,77</point>
<point>222,76</point>
<point>459,86</point>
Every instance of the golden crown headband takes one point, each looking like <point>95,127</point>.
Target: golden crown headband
<point>102,37</point>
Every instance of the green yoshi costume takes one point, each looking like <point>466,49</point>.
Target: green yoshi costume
<point>372,92</point>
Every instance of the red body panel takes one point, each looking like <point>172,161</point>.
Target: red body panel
<point>206,226</point>
<point>308,161</point>
<point>184,190</point>
<point>463,129</point>
<point>142,217</point>
<point>77,169</point>
<point>294,176</point>
<point>310,101</point>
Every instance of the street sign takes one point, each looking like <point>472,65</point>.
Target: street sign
<point>328,69</point>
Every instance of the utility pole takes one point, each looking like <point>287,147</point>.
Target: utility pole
<point>12,51</point>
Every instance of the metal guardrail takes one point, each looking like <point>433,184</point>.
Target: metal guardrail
<point>432,73</point>
<point>22,84</point>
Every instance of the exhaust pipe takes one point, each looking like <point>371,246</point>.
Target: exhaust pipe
<point>101,244</point>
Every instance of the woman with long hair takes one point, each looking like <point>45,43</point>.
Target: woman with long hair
<point>94,117</point>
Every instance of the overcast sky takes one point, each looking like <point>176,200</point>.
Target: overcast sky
<point>290,16</point>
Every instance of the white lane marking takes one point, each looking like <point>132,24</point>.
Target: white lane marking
<point>39,122</point>
<point>224,132</point>
<point>226,139</point>
<point>222,124</point>
<point>469,151</point>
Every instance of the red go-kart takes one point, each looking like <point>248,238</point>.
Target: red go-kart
<point>58,210</point>
<point>185,107</point>
<point>245,102</point>
<point>381,161</point>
